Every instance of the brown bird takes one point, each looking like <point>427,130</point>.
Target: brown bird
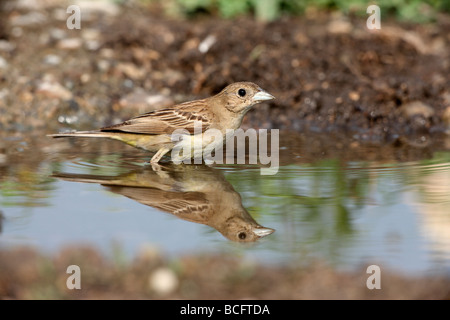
<point>195,193</point>
<point>153,131</point>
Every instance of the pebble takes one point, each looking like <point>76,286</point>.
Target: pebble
<point>339,26</point>
<point>103,65</point>
<point>207,43</point>
<point>52,59</point>
<point>158,99</point>
<point>131,70</point>
<point>3,63</point>
<point>446,97</point>
<point>85,77</point>
<point>107,53</point>
<point>144,101</point>
<point>6,46</point>
<point>92,45</point>
<point>70,43</point>
<point>17,32</point>
<point>446,116</point>
<point>91,39</point>
<point>29,4</point>
<point>57,34</point>
<point>353,95</point>
<point>32,18</point>
<point>417,108</point>
<point>60,14</point>
<point>53,89</point>
<point>89,8</point>
<point>4,93</point>
<point>163,281</point>
<point>90,34</point>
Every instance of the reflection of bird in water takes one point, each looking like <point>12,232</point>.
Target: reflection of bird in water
<point>194,193</point>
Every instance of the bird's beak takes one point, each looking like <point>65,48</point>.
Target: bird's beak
<point>262,96</point>
<point>262,232</point>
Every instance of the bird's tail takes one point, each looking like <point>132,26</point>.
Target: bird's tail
<point>81,134</point>
<point>88,178</point>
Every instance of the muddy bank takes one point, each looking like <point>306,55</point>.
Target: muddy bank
<point>328,72</point>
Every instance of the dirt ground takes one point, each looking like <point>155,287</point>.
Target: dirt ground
<point>26,274</point>
<point>332,78</point>
<point>328,72</point>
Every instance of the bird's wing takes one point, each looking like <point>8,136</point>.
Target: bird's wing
<point>183,116</point>
<point>191,206</point>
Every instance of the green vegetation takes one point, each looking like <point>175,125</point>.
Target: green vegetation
<point>269,10</point>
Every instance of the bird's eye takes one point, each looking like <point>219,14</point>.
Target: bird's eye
<point>242,92</point>
<point>242,235</point>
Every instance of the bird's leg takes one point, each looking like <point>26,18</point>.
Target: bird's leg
<point>161,152</point>
<point>159,170</point>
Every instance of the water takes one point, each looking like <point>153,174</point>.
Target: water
<point>350,214</point>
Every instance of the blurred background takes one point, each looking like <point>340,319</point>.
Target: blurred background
<point>364,120</point>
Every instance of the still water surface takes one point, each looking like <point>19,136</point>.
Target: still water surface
<point>348,214</point>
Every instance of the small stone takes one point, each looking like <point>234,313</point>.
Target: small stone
<point>85,77</point>
<point>353,95</point>
<point>29,5</point>
<point>70,44</point>
<point>417,108</point>
<point>103,65</point>
<point>446,116</point>
<point>52,59</point>
<point>3,63</point>
<point>90,34</point>
<point>4,93</point>
<point>6,46</point>
<point>163,281</point>
<point>354,144</point>
<point>446,97</point>
<point>131,70</point>
<point>54,89</point>
<point>92,45</point>
<point>32,18</point>
<point>144,101</point>
<point>17,32</point>
<point>107,53</point>
<point>339,26</point>
<point>89,8</point>
<point>158,99</point>
<point>207,43</point>
<point>91,39</point>
<point>57,34</point>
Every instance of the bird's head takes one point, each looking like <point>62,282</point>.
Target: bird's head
<point>241,227</point>
<point>241,96</point>
<point>251,234</point>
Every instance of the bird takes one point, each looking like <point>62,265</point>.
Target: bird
<point>153,131</point>
<point>195,193</point>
